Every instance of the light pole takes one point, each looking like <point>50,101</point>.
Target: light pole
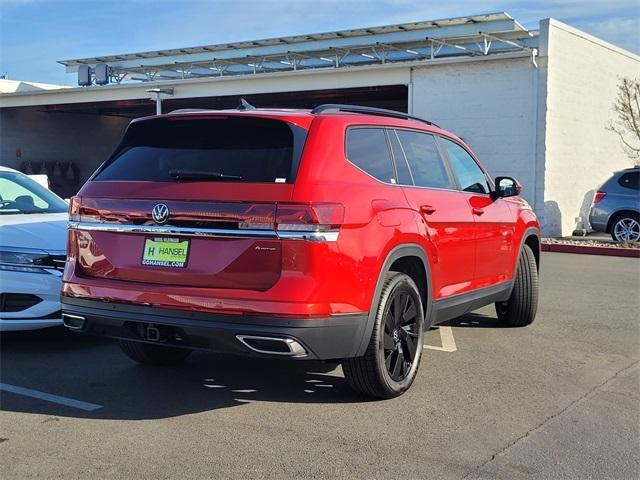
<point>158,99</point>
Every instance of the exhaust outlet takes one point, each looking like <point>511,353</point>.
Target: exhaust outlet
<point>273,345</point>
<point>73,322</point>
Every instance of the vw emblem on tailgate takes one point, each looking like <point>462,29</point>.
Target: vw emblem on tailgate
<point>160,213</point>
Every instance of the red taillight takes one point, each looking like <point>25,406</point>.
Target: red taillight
<point>309,217</point>
<point>257,217</point>
<point>80,213</point>
<point>599,196</point>
<point>291,217</point>
<point>74,209</point>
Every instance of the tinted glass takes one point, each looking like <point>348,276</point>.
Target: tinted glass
<point>367,148</point>
<point>253,149</point>
<point>427,167</point>
<point>630,180</point>
<point>20,194</point>
<point>465,168</point>
<point>402,167</point>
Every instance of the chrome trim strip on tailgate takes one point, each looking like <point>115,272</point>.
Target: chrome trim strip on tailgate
<point>309,236</point>
<point>170,230</point>
<point>203,232</point>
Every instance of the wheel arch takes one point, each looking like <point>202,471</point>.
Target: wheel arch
<point>619,213</point>
<point>531,238</point>
<point>412,260</point>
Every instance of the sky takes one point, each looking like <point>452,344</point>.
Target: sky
<point>35,34</point>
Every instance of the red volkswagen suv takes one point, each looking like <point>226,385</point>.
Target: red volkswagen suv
<point>340,233</point>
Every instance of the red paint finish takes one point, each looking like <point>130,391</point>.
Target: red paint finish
<point>248,263</point>
<point>471,241</point>
<point>494,238</point>
<point>446,223</point>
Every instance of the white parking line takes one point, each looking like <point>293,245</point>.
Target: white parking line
<point>448,342</point>
<point>69,402</point>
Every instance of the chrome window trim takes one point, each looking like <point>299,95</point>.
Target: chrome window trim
<point>313,236</point>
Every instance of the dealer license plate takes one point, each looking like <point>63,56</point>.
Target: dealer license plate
<point>165,252</point>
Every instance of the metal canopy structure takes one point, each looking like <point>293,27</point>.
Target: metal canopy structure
<point>479,35</point>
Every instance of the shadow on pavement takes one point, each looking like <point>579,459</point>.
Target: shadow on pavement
<point>94,370</point>
<point>474,320</point>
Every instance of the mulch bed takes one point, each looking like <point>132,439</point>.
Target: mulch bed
<point>591,247</point>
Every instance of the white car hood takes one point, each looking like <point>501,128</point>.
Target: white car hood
<point>44,231</point>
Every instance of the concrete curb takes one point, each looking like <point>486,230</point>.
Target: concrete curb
<point>591,250</point>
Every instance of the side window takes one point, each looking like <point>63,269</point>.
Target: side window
<point>469,174</point>
<point>402,167</point>
<point>425,162</point>
<point>630,180</point>
<point>367,148</point>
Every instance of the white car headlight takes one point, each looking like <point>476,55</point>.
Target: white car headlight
<point>25,260</point>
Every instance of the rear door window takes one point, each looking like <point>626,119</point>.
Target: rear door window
<point>242,149</point>
<point>470,176</point>
<point>423,157</point>
<point>630,180</point>
<point>402,167</point>
<point>367,148</point>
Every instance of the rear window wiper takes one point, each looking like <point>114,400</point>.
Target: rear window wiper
<point>180,175</point>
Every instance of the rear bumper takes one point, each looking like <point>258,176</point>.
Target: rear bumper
<point>329,338</point>
<point>598,218</point>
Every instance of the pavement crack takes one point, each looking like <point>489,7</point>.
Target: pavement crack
<point>541,425</point>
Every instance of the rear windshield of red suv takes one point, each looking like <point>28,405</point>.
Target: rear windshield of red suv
<point>224,148</point>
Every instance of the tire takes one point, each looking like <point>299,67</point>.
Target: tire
<point>153,354</point>
<point>626,228</point>
<point>521,307</point>
<point>383,371</point>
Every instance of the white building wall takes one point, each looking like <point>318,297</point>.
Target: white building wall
<point>579,76</point>
<point>491,105</point>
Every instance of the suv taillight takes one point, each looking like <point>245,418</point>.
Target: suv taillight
<point>256,217</point>
<point>78,213</point>
<point>316,217</point>
<point>74,209</point>
<point>599,196</point>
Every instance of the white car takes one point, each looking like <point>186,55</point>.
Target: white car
<point>33,236</point>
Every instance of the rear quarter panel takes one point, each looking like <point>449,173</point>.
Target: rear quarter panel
<point>377,219</point>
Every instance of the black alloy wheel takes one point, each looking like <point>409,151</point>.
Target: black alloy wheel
<point>390,363</point>
<point>401,333</point>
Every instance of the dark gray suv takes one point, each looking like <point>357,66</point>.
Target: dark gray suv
<point>616,206</point>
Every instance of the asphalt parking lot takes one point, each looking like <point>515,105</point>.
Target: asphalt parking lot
<point>558,399</point>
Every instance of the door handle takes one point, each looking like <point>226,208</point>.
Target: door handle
<point>477,211</point>
<point>427,209</point>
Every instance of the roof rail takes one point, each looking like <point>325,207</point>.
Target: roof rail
<point>188,110</point>
<point>338,107</point>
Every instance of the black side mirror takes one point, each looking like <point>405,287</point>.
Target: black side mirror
<point>507,187</point>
